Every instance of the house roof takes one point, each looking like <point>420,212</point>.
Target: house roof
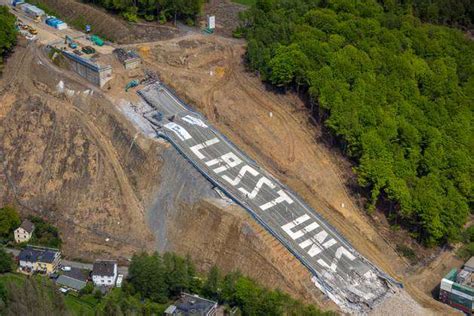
<point>104,268</point>
<point>70,282</point>
<point>28,226</point>
<point>470,264</point>
<point>32,254</point>
<point>190,304</point>
<point>78,274</point>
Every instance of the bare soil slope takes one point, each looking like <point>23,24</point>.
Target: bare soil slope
<point>274,129</point>
<point>111,27</point>
<point>68,155</point>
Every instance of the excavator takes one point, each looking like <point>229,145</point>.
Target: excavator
<point>68,40</point>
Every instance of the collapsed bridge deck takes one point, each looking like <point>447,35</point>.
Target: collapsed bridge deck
<point>339,271</point>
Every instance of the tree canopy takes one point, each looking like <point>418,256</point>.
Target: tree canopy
<point>9,221</point>
<point>398,95</point>
<point>163,10</point>
<point>7,32</point>
<point>158,278</point>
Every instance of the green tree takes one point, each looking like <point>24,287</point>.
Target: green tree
<point>6,261</point>
<point>395,94</point>
<point>9,221</point>
<point>7,32</point>
<point>211,287</point>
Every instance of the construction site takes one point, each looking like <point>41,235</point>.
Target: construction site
<point>146,145</point>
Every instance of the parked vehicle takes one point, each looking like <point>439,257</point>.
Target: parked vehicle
<point>97,40</point>
<point>66,268</point>
<point>63,290</point>
<point>88,50</point>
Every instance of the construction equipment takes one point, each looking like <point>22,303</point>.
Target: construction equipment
<point>88,50</point>
<point>32,30</point>
<point>97,40</point>
<point>132,84</point>
<point>68,40</point>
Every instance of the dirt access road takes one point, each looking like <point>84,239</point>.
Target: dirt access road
<point>208,71</point>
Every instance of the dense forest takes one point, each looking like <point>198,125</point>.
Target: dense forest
<point>151,10</point>
<point>458,13</point>
<point>161,278</point>
<point>396,93</point>
<point>7,32</point>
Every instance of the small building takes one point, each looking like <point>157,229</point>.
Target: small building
<point>75,279</point>
<point>32,11</point>
<point>194,305</point>
<point>130,59</point>
<point>24,232</point>
<point>39,260</point>
<point>104,273</point>
<point>457,288</point>
<point>56,23</point>
<point>86,68</point>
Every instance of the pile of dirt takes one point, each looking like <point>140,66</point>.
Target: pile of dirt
<point>110,27</point>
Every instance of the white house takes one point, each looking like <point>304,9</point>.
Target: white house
<point>24,232</point>
<point>104,273</point>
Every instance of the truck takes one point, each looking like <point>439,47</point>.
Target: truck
<point>97,40</point>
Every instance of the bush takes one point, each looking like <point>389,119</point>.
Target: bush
<point>149,17</point>
<point>88,289</point>
<point>407,252</point>
<point>45,234</point>
<point>6,261</point>
<point>466,251</point>
<point>98,294</point>
<point>9,221</point>
<point>162,18</point>
<point>189,22</point>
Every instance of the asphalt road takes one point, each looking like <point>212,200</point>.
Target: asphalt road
<point>340,271</point>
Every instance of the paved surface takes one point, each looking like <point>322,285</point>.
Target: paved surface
<point>339,271</point>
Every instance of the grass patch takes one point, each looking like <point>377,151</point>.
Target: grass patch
<point>245,2</point>
<point>80,306</point>
<point>408,253</point>
<point>12,278</point>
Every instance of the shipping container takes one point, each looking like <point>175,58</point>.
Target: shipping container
<point>32,11</point>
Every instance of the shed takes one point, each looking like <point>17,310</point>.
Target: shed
<point>70,282</point>
<point>469,265</point>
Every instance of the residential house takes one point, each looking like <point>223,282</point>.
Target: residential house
<point>194,305</point>
<point>75,279</point>
<point>39,259</point>
<point>24,232</point>
<point>104,273</point>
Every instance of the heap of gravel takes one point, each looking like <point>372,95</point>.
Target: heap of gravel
<point>400,303</point>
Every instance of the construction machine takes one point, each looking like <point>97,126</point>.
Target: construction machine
<point>32,30</point>
<point>132,84</point>
<point>88,50</point>
<point>97,40</point>
<point>68,40</point>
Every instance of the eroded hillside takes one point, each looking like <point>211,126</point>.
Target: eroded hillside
<point>70,156</point>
